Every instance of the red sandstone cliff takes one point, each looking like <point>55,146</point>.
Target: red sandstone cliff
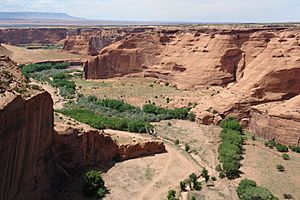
<point>32,36</point>
<point>279,121</point>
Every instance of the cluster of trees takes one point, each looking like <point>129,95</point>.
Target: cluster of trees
<point>27,70</point>
<point>248,190</point>
<point>118,108</point>
<point>66,87</point>
<point>295,149</point>
<point>93,185</point>
<point>230,149</point>
<point>176,113</point>
<point>99,121</point>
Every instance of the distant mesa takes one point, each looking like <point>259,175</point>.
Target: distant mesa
<point>37,16</point>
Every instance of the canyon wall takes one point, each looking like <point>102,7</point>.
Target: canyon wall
<point>33,36</point>
<point>26,138</point>
<point>277,120</point>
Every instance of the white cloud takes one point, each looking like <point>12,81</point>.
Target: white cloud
<point>166,10</point>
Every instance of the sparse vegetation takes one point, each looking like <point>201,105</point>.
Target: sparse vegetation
<point>176,142</point>
<point>295,149</point>
<point>285,156</point>
<point>280,168</point>
<point>248,190</point>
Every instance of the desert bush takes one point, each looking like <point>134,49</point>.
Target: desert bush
<point>285,156</point>
<point>187,147</point>
<point>282,148</point>
<point>213,178</point>
<point>93,184</point>
<point>287,196</point>
<point>280,168</point>
<point>218,168</point>
<point>176,142</point>
<point>271,144</point>
<point>295,149</point>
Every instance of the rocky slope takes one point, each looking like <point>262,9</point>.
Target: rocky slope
<point>35,159</point>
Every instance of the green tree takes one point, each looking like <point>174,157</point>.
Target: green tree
<point>205,175</point>
<point>182,185</point>
<point>231,168</point>
<point>171,195</point>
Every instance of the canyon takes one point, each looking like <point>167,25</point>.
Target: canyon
<point>251,73</point>
<point>36,158</point>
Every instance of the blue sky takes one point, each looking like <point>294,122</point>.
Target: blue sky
<point>166,10</point>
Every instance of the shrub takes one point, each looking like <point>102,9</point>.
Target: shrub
<point>193,198</point>
<point>285,156</point>
<point>244,185</point>
<point>171,195</point>
<point>213,178</point>
<point>176,142</point>
<point>281,148</point>
<point>92,183</point>
<point>280,168</point>
<point>271,144</point>
<point>287,196</point>
<point>222,175</point>
<point>101,193</point>
<point>295,149</point>
<point>218,168</point>
<point>186,147</point>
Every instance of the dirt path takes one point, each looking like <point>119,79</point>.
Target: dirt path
<point>174,156</point>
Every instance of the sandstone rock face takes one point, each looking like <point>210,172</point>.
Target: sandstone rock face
<point>32,36</point>
<point>92,41</point>
<point>272,74</point>
<point>279,121</point>
<point>130,151</point>
<point>26,137</point>
<point>203,57</point>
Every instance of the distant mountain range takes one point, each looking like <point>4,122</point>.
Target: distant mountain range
<point>37,16</point>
